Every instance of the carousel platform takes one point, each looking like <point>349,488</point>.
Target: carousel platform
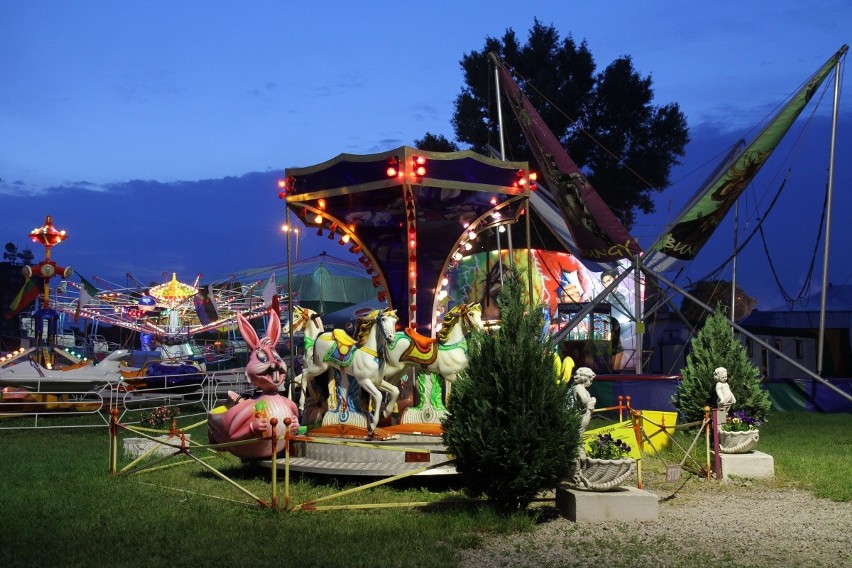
<point>394,450</point>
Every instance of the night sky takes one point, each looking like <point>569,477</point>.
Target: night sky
<point>154,132</point>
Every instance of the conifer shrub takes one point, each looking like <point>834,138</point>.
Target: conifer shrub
<point>715,346</point>
<point>510,424</point>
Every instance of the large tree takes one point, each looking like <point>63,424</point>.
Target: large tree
<point>606,121</point>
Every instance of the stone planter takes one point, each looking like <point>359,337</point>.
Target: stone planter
<point>604,475</point>
<point>738,442</point>
<point>134,447</point>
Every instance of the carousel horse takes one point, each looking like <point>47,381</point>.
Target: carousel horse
<point>310,323</point>
<point>363,358</point>
<point>446,354</point>
<point>245,419</point>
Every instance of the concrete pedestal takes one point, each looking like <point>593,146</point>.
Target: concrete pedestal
<point>752,465</point>
<point>622,504</point>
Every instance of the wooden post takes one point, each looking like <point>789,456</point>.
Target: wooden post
<point>273,443</point>
<point>113,441</point>
<point>287,423</point>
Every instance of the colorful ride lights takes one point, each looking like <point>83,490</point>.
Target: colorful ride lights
<point>286,186</point>
<point>417,167</point>
<point>522,179</point>
<point>47,235</point>
<point>392,170</point>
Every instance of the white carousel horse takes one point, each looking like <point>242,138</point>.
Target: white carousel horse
<point>363,358</point>
<point>309,322</point>
<point>445,355</point>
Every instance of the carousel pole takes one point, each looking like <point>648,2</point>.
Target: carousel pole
<point>291,369</point>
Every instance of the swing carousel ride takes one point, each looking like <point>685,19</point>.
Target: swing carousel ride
<point>166,317</point>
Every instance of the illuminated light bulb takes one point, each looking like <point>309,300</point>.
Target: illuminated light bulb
<point>445,281</point>
<point>502,228</point>
<point>468,246</point>
<point>457,255</point>
<point>318,219</point>
<point>282,184</point>
<point>344,239</point>
<point>493,201</point>
<point>497,216</point>
<point>321,204</point>
<point>442,294</point>
<point>412,243</point>
<point>472,235</point>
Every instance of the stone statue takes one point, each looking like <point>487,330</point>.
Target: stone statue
<point>724,395</point>
<point>583,378</point>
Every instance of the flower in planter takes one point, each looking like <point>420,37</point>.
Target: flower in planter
<point>161,416</point>
<point>607,448</point>
<point>739,421</point>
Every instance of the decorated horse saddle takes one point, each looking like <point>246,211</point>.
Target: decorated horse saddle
<point>421,350</point>
<point>343,350</point>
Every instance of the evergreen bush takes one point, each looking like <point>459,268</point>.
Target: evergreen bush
<point>509,422</point>
<point>715,346</point>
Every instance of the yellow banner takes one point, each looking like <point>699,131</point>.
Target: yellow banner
<point>653,422</point>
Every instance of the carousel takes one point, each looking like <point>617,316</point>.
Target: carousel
<point>409,217</point>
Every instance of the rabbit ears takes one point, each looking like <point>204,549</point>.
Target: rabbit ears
<point>273,330</point>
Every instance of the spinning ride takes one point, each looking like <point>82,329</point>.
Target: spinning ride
<point>410,216</point>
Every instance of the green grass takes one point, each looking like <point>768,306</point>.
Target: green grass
<point>58,504</point>
<point>811,451</point>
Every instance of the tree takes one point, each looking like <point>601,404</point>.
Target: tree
<point>713,292</point>
<point>606,121</point>
<point>436,143</point>
<point>509,422</point>
<point>715,346</point>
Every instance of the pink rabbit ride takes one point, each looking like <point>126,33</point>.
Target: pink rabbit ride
<point>244,419</point>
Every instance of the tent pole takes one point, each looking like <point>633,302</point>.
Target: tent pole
<point>821,342</point>
<point>640,321</point>
<point>502,157</point>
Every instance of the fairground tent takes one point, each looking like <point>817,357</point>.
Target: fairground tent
<point>322,283</point>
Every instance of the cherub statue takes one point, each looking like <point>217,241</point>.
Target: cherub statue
<point>244,419</point>
<point>724,395</point>
<point>583,378</point>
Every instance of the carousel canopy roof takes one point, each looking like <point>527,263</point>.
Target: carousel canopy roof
<point>408,213</point>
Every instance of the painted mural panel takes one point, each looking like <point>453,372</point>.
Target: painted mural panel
<point>605,340</point>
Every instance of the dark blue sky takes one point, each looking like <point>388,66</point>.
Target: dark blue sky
<point>208,102</point>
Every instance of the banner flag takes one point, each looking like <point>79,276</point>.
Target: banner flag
<point>703,215</point>
<point>205,307</point>
<point>599,235</point>
<point>88,294</point>
<point>26,296</point>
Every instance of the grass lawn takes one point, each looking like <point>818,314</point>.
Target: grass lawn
<point>58,504</point>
